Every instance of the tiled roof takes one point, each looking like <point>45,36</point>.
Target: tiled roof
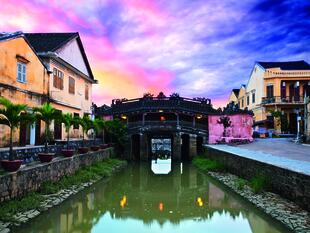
<point>7,36</point>
<point>49,42</point>
<point>236,92</point>
<point>290,65</point>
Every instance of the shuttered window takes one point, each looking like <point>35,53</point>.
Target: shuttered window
<point>58,79</point>
<point>71,85</point>
<point>21,72</point>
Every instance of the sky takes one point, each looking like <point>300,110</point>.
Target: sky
<point>197,48</point>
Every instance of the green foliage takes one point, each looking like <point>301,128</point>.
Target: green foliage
<point>47,113</point>
<point>206,165</point>
<point>93,172</point>
<point>12,207</point>
<point>86,123</point>
<point>12,115</point>
<point>258,183</point>
<point>68,120</point>
<point>32,200</point>
<point>240,183</point>
<point>99,126</point>
<point>116,131</point>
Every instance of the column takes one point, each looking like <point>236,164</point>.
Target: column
<point>176,147</point>
<point>192,146</point>
<point>194,121</point>
<point>33,134</point>
<point>143,147</point>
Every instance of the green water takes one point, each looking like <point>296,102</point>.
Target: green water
<point>137,200</point>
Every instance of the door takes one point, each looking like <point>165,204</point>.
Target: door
<point>293,123</point>
<point>24,134</point>
<point>38,132</point>
<point>58,129</point>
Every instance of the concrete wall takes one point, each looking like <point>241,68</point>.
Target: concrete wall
<point>30,178</point>
<point>289,184</point>
<point>241,128</point>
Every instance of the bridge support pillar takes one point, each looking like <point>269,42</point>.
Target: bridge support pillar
<point>176,147</point>
<point>143,147</point>
<point>192,146</point>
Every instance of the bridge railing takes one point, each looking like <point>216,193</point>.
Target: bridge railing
<point>137,124</point>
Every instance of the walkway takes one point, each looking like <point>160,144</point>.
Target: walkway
<point>277,152</point>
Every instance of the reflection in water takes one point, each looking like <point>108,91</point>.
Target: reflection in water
<point>137,200</point>
<point>161,166</point>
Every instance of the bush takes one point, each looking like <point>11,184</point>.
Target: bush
<point>240,183</point>
<point>258,183</point>
<point>29,201</point>
<point>83,175</point>
<point>206,165</point>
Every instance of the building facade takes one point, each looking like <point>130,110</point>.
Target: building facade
<point>40,67</point>
<point>71,79</point>
<point>23,80</point>
<point>275,93</point>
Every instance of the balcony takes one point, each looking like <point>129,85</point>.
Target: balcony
<point>290,100</point>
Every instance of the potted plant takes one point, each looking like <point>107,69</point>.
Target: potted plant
<point>12,115</point>
<point>68,120</point>
<point>46,113</point>
<point>86,125</point>
<point>98,126</point>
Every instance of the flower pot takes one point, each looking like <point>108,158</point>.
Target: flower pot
<point>83,150</point>
<point>67,153</point>
<point>94,148</point>
<point>46,157</point>
<point>104,146</point>
<point>11,166</point>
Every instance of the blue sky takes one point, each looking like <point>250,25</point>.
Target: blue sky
<point>194,47</point>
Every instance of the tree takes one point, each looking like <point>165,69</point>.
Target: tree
<point>117,133</point>
<point>68,121</point>
<point>226,122</point>
<point>86,123</point>
<point>99,126</point>
<point>47,113</point>
<point>12,115</point>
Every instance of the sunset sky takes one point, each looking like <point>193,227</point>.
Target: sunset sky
<point>193,47</point>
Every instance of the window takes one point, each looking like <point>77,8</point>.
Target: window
<point>21,72</point>
<point>71,85</point>
<point>269,91</point>
<point>253,97</point>
<point>247,100</point>
<point>242,103</point>
<point>58,79</point>
<point>86,92</point>
<point>75,125</point>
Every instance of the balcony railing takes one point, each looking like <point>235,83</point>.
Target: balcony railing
<point>283,100</point>
<point>187,124</point>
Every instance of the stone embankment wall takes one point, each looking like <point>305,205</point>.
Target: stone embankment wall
<point>30,178</point>
<point>288,184</point>
<point>28,154</point>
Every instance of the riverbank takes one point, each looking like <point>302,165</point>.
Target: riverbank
<point>15,212</point>
<point>287,212</point>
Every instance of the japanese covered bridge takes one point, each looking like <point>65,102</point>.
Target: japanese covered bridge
<point>167,126</point>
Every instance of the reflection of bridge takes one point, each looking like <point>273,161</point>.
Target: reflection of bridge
<point>183,120</point>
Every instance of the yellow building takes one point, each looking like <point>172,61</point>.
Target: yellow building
<point>71,79</point>
<point>40,67</point>
<point>275,93</point>
<point>23,80</point>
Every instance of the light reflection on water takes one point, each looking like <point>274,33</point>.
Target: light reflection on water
<point>137,200</point>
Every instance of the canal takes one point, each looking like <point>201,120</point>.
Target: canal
<point>157,197</point>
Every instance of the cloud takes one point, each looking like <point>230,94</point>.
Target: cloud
<point>199,47</point>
